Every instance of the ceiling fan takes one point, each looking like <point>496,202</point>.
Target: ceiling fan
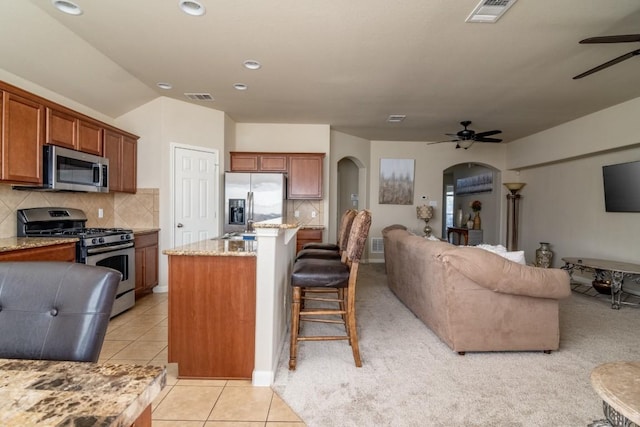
<point>467,137</point>
<point>628,38</point>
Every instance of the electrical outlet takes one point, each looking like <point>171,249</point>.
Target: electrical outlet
<point>296,214</point>
<point>100,213</point>
<point>313,214</point>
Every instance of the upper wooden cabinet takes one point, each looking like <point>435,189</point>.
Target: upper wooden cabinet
<point>305,176</point>
<point>90,137</point>
<point>258,162</point>
<point>121,150</point>
<point>71,131</point>
<point>273,162</point>
<point>304,170</point>
<point>22,130</point>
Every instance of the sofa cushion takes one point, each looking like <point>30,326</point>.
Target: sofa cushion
<point>501,275</point>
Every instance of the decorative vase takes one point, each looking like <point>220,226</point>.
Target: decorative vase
<point>544,255</point>
<point>477,222</point>
<point>459,218</point>
<point>470,224</point>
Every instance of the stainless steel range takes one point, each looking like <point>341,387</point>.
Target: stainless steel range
<point>106,247</point>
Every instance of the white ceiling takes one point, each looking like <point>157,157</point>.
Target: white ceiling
<point>349,64</point>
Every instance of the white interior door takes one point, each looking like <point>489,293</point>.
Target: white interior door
<point>195,195</point>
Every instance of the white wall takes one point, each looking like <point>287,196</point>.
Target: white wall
<point>563,202</point>
<point>359,151</point>
<point>160,123</point>
<point>430,162</point>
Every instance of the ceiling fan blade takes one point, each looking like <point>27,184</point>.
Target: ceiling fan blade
<point>608,64</point>
<point>488,140</point>
<point>626,38</point>
<point>487,133</point>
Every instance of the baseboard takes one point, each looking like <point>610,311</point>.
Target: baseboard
<point>161,289</point>
<point>262,378</point>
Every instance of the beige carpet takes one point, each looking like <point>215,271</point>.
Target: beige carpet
<point>410,378</point>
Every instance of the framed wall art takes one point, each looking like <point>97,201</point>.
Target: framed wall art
<point>475,184</point>
<point>396,182</point>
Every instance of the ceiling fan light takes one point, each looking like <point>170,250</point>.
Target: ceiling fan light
<point>465,143</point>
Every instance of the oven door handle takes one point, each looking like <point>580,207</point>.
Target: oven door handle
<point>103,249</point>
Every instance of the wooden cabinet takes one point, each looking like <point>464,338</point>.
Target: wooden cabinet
<point>305,176</point>
<point>306,235</point>
<point>212,315</point>
<point>258,162</point>
<point>62,129</point>
<point>146,248</point>
<point>89,137</point>
<point>66,129</point>
<point>304,170</point>
<point>273,162</point>
<point>22,139</point>
<point>121,151</point>
<point>27,121</point>
<point>57,252</point>
<point>244,162</point>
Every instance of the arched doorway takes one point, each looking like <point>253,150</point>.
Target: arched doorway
<point>457,194</point>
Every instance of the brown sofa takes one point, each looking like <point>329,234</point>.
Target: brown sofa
<point>475,300</point>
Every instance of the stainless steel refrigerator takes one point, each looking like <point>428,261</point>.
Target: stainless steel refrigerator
<point>252,197</point>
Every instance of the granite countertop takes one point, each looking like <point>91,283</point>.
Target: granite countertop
<point>216,247</point>
<point>145,230</point>
<point>17,243</point>
<point>228,247</point>
<point>312,227</point>
<point>50,393</point>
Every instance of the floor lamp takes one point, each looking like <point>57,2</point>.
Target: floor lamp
<point>512,213</point>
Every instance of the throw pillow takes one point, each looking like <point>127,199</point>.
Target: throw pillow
<point>515,256</point>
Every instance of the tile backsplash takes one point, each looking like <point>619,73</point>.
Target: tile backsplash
<point>310,212</point>
<point>138,210</point>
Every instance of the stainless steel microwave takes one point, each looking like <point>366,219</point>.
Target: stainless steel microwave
<point>71,170</point>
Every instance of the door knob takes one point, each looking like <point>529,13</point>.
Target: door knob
<point>180,225</point>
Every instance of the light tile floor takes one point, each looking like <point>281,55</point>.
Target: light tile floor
<point>139,336</point>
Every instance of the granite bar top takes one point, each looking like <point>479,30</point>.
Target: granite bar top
<point>50,393</point>
<point>275,223</point>
<point>228,247</point>
<point>17,243</point>
<point>216,247</point>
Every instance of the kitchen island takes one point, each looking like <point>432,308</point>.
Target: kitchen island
<point>227,304</point>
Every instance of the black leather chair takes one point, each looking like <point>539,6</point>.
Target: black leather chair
<point>54,310</point>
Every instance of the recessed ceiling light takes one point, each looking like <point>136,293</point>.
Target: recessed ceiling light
<point>192,7</point>
<point>251,64</point>
<point>67,7</point>
<point>165,86</point>
<point>240,86</point>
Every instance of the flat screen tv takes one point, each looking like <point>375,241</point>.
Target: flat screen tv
<point>622,187</point>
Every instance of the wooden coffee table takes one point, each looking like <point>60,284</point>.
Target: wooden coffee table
<point>618,384</point>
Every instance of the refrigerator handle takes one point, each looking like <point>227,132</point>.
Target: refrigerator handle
<point>250,211</point>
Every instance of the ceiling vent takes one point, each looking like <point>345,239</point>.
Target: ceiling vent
<point>199,96</point>
<point>396,118</point>
<point>489,11</point>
